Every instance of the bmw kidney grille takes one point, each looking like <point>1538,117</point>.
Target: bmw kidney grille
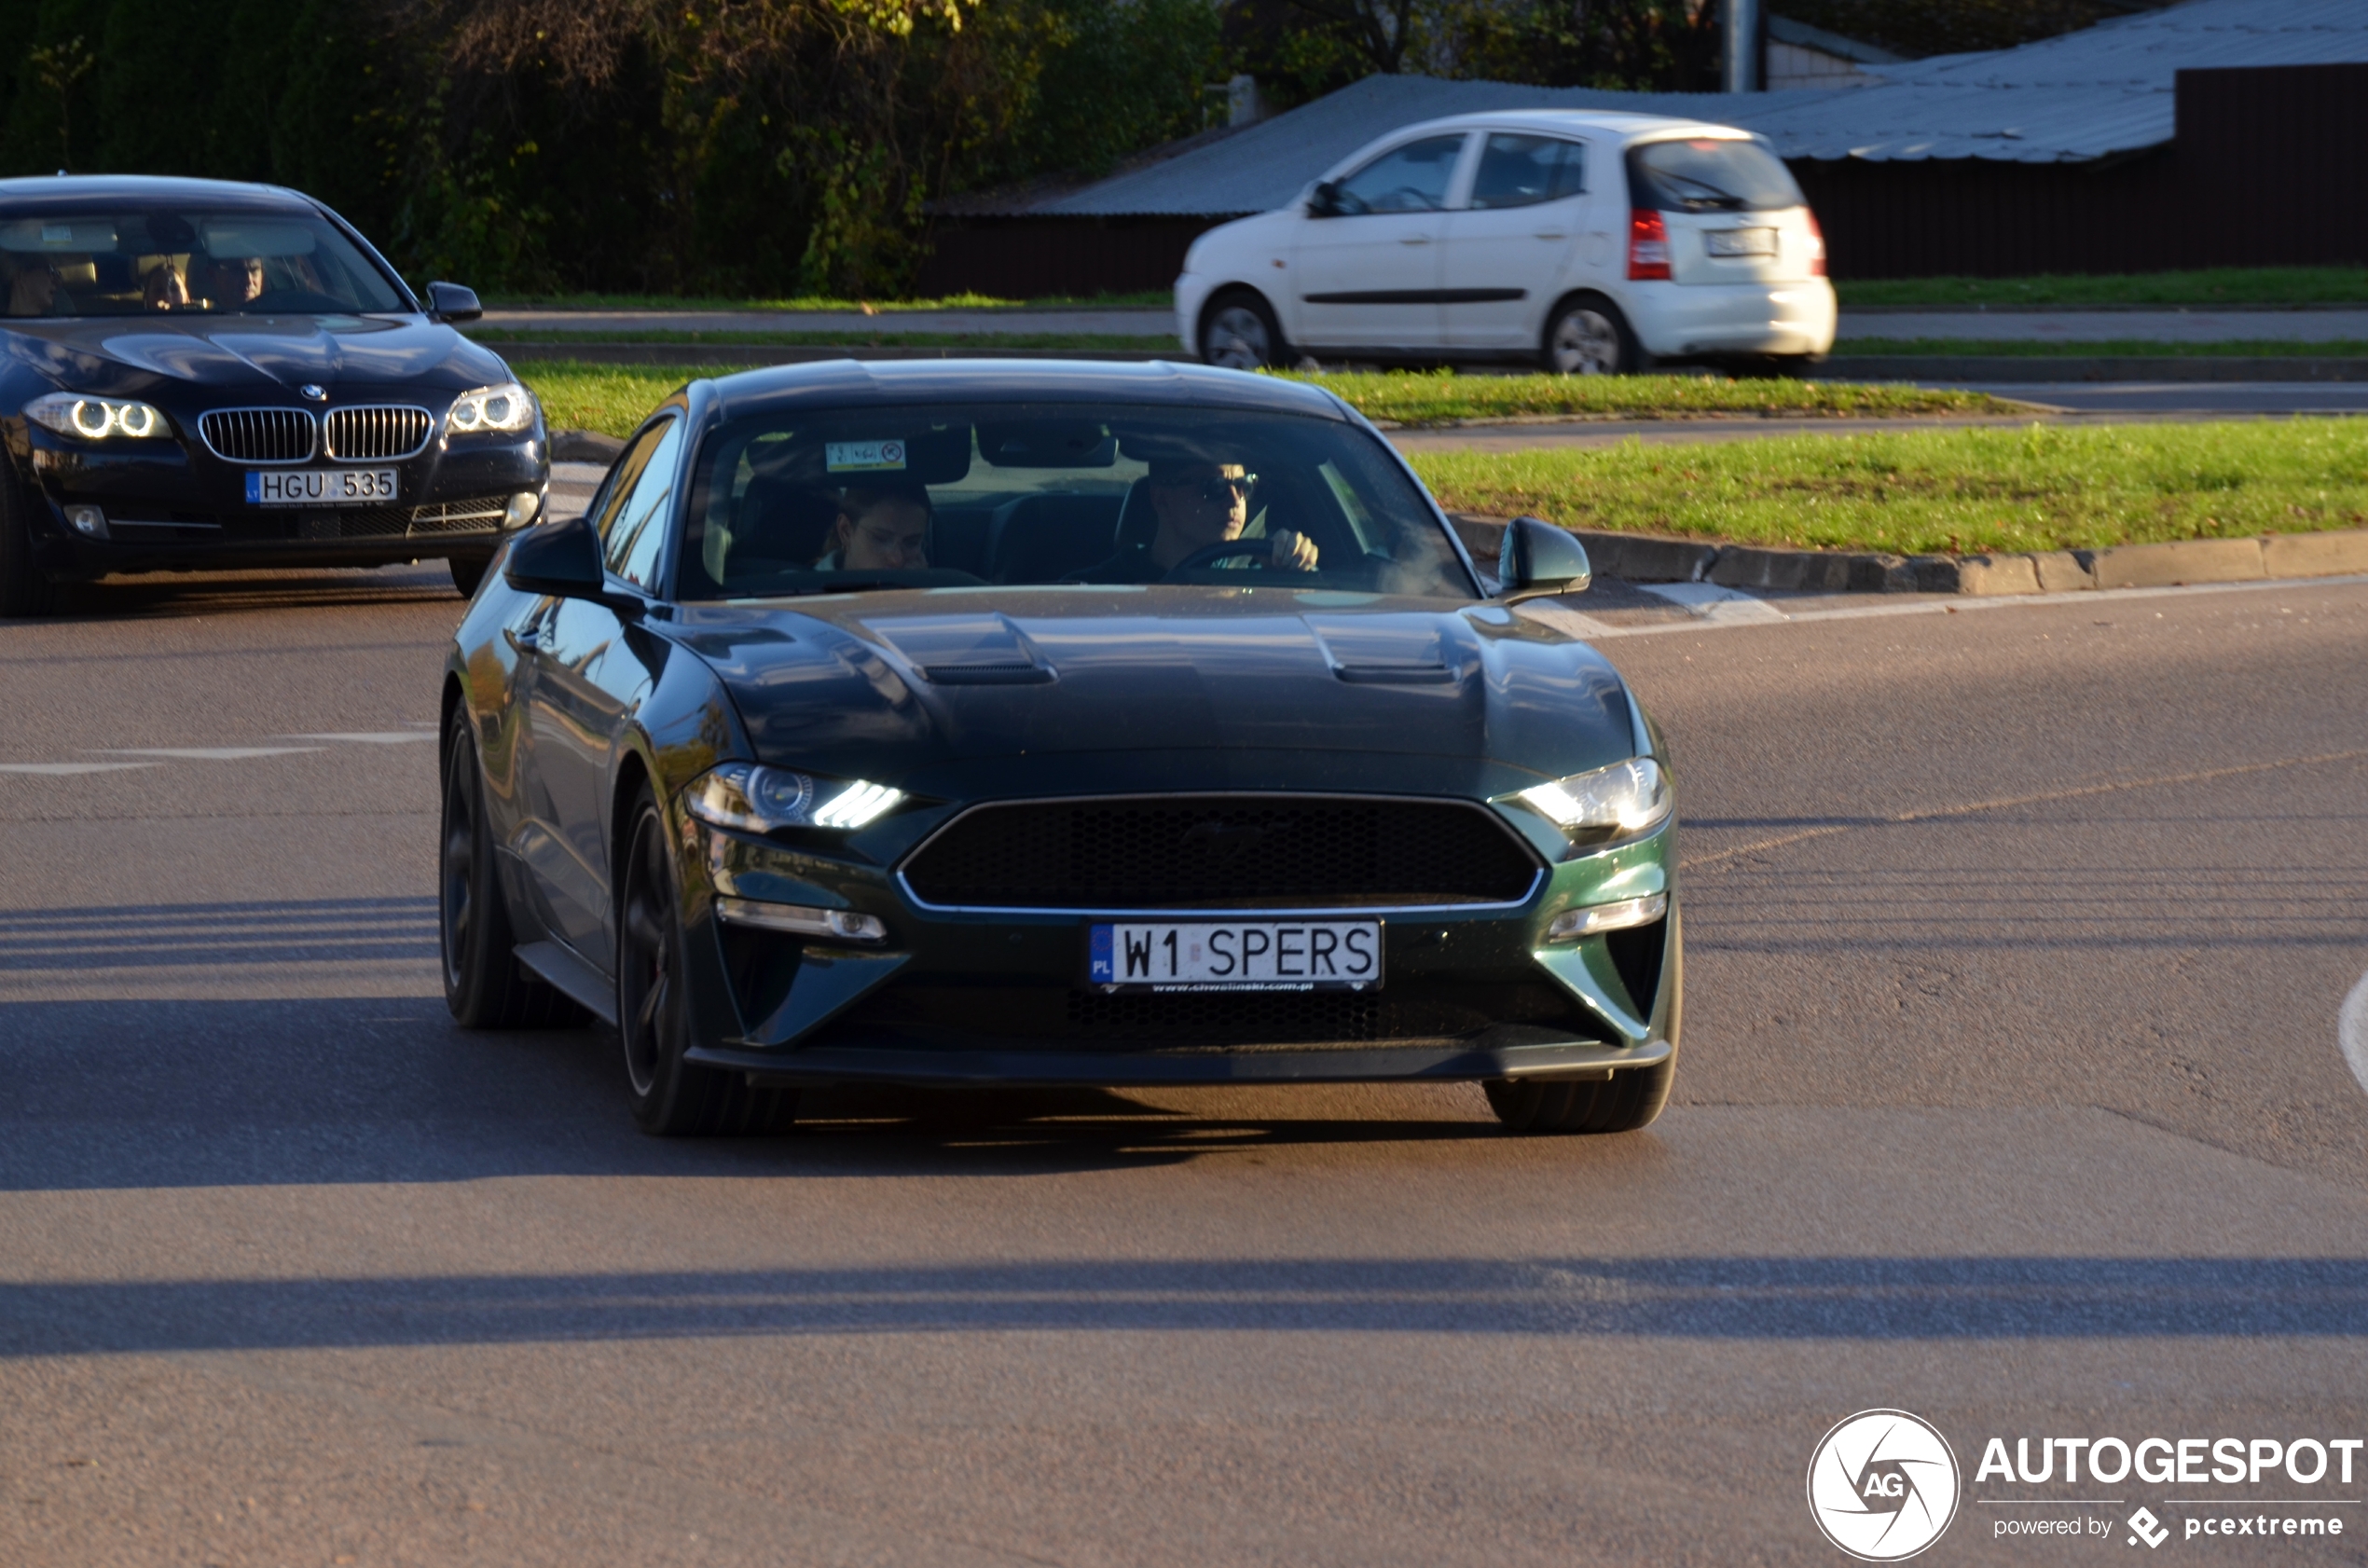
<point>260,434</point>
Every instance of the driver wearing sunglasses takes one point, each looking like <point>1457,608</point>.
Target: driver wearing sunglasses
<point>1198,504</point>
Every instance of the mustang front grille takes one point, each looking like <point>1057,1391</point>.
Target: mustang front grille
<point>376,435</point>
<point>1222,852</point>
<point>260,434</point>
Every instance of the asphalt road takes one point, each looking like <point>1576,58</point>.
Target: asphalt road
<point>2010,1095</point>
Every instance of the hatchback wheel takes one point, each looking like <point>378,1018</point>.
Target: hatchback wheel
<point>1589,336</point>
<point>1239,333</point>
<point>672,1096</point>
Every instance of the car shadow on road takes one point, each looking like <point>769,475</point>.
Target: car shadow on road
<point>1720,1299</point>
<point>172,595</point>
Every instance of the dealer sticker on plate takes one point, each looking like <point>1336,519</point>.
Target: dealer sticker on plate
<point>1235,956</point>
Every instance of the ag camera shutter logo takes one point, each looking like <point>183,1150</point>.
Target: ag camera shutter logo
<point>1883,1485</point>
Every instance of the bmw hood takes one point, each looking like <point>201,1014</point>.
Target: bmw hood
<point>127,354</point>
<point>890,685</point>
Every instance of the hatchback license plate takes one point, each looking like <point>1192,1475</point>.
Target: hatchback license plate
<point>321,487</point>
<point>1742,241</point>
<point>1235,956</point>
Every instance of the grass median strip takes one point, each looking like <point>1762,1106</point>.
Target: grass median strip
<point>612,399</point>
<point>983,342</point>
<point>2061,348</point>
<point>1939,492</point>
<point>1161,299</point>
<point>2207,286</point>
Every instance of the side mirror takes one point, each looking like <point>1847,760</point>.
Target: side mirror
<point>450,302</point>
<point>1324,202</point>
<point>560,558</point>
<point>1538,558</point>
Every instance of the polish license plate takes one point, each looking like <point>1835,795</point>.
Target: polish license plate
<point>1234,955</point>
<point>1741,241</point>
<point>321,487</point>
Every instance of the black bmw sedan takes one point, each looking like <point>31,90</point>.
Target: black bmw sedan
<point>964,723</point>
<point>203,374</point>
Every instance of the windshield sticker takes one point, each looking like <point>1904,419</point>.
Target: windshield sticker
<point>863,457</point>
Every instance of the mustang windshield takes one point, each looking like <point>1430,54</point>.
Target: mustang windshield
<point>840,502</point>
<point>136,262</point>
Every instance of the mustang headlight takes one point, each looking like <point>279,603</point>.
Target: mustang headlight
<point>97,419</point>
<point>757,800</point>
<point>1609,805</point>
<point>507,406</point>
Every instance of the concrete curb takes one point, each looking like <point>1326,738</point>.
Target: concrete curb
<point>2013,368</point>
<point>1651,558</point>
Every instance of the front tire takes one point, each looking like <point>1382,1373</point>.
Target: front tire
<point>1238,332</point>
<point>1587,335</point>
<point>672,1096</point>
<point>467,572</point>
<point>24,590</point>
<point>483,985</point>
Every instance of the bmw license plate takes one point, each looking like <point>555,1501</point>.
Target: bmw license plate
<point>1741,241</point>
<point>321,487</point>
<point>1234,955</point>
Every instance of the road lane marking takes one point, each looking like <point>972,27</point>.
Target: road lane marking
<point>1965,604</point>
<point>367,738</point>
<point>55,770</point>
<point>205,753</point>
<point>1716,604</point>
<point>2351,1031</point>
<point>2076,792</point>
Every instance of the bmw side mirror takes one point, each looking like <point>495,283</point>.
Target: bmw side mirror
<point>450,302</point>
<point>1537,559</point>
<point>1324,202</point>
<point>560,558</point>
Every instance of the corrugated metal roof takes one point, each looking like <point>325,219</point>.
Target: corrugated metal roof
<point>2085,95</point>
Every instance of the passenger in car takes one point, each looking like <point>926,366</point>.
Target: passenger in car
<point>34,291</point>
<point>163,289</point>
<point>881,527</point>
<point>1198,504</point>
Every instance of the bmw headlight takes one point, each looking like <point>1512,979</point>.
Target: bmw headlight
<point>1609,805</point>
<point>757,800</point>
<point>97,419</point>
<point>507,406</point>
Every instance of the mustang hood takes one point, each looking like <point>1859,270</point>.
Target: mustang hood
<point>885,685</point>
<point>122,353</point>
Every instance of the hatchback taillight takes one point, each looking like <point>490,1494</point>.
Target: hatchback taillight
<point>1816,248</point>
<point>1648,244</point>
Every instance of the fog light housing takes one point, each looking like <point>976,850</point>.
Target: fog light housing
<point>1595,919</point>
<point>89,521</point>
<point>804,920</point>
<point>521,509</point>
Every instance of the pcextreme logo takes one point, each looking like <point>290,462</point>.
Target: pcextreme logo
<point>1883,1485</point>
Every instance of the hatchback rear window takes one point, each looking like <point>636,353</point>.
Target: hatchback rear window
<point>1709,174</point>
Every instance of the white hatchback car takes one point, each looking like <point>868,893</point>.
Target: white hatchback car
<point>1593,244</point>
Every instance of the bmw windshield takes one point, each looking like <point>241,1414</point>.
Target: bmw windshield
<point>165,260</point>
<point>950,495</point>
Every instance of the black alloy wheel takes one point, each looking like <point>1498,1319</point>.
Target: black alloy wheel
<point>1238,332</point>
<point>1587,335</point>
<point>672,1096</point>
<point>1622,1103</point>
<point>483,985</point>
<point>24,591</point>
